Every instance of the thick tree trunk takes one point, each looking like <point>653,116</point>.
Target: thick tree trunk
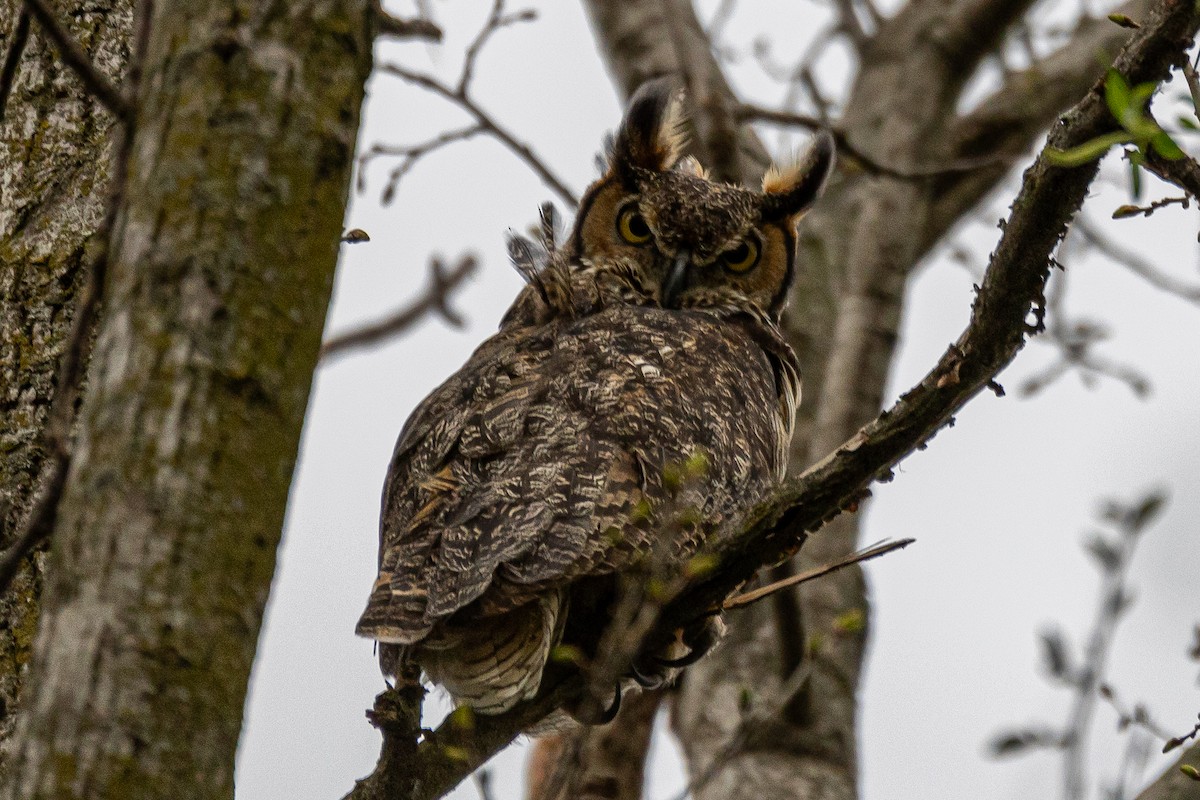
<point>56,146</point>
<point>221,264</point>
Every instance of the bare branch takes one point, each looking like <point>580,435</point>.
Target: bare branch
<point>1135,263</point>
<point>435,300</point>
<point>868,163</point>
<point>496,20</point>
<point>849,24</point>
<point>1009,120</point>
<point>410,155</point>
<point>521,150</point>
<point>387,24</point>
<point>12,58</point>
<point>74,57</point>
<point>866,554</point>
<point>1182,172</point>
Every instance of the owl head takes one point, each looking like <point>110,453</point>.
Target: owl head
<point>679,240</point>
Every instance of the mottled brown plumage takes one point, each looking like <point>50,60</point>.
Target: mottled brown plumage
<point>543,467</point>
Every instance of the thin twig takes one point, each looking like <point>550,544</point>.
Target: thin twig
<point>460,95</point>
<point>435,300</point>
<point>1176,741</point>
<point>1135,263</point>
<point>866,554</point>
<point>496,20</point>
<point>410,155</point>
<point>73,56</point>
<point>419,28</point>
<point>1112,603</point>
<point>521,150</point>
<point>12,58</point>
<point>849,24</point>
<point>846,147</point>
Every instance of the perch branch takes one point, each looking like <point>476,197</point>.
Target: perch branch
<point>1012,292</point>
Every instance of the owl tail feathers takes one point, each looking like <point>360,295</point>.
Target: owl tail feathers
<point>394,617</point>
<point>493,665</point>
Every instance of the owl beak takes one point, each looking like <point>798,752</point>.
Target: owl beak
<point>675,278</point>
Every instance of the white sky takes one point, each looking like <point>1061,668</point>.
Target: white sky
<point>999,504</point>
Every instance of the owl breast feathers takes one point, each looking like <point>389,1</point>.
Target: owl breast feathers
<point>523,485</point>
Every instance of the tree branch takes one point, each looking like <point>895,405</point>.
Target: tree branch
<point>74,57</point>
<point>387,24</point>
<point>435,300</point>
<point>12,58</point>
<point>1009,120</point>
<point>1173,784</point>
<point>520,149</point>
<point>1007,310</point>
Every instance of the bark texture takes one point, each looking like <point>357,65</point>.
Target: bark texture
<point>794,665</point>
<point>56,147</point>
<point>1173,784</point>
<point>220,268</point>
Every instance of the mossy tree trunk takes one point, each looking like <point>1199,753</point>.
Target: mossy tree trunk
<point>220,268</point>
<point>56,146</point>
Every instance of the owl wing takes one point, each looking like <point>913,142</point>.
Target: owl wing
<point>545,458</point>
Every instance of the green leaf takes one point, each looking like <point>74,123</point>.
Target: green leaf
<point>1140,94</point>
<point>1116,93</point>
<point>1166,146</point>
<point>1188,123</point>
<point>1088,151</point>
<point>1135,178</point>
<point>1123,20</point>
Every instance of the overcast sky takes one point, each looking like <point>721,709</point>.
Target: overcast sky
<point>999,504</point>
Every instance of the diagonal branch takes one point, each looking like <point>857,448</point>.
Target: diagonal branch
<point>436,300</point>
<point>74,57</point>
<point>1007,310</point>
<point>1008,121</point>
<point>12,58</point>
<point>485,121</point>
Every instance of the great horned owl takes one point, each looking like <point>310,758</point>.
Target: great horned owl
<point>523,485</point>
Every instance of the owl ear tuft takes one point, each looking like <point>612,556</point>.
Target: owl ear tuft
<point>791,191</point>
<point>651,136</point>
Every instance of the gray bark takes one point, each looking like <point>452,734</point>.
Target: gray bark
<point>56,145</point>
<point>220,268</point>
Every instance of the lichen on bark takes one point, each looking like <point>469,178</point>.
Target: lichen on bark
<point>56,145</point>
<point>220,269</point>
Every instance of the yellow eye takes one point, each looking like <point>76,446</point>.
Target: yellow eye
<point>741,258</point>
<point>632,226</point>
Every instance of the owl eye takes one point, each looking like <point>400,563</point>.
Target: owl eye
<point>632,226</point>
<point>741,258</point>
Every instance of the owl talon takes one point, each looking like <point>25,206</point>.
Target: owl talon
<point>647,679</point>
<point>610,713</point>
